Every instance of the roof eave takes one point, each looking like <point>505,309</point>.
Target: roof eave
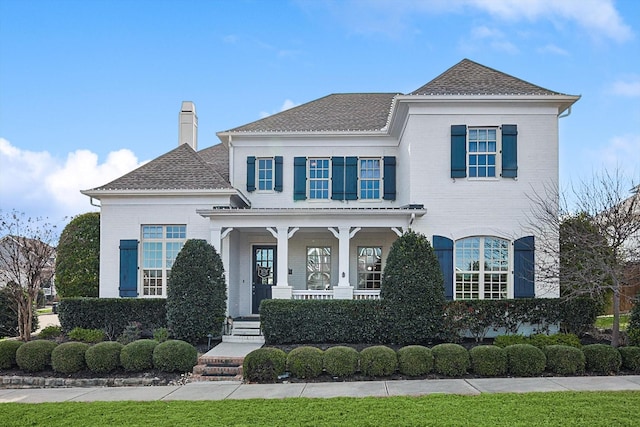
<point>97,193</point>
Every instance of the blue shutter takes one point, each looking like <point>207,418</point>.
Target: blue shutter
<point>337,178</point>
<point>351,175</point>
<point>278,173</point>
<point>524,267</point>
<point>299,178</point>
<point>443,248</point>
<point>128,268</point>
<point>389,178</point>
<point>509,151</point>
<point>251,173</point>
<point>458,151</point>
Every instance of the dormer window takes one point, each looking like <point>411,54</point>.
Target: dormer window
<point>265,174</point>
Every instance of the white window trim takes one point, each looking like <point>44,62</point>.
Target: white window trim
<point>329,179</point>
<point>498,165</point>
<point>509,271</point>
<point>380,180</point>
<point>164,240</point>
<point>273,174</point>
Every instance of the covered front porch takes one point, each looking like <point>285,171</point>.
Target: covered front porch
<point>305,253</point>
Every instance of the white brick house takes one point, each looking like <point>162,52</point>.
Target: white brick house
<point>306,203</point>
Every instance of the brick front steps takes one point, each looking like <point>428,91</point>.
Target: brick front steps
<point>213,368</point>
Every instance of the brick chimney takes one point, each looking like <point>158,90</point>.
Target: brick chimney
<point>188,126</point>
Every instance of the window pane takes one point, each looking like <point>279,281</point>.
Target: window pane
<point>318,268</point>
<point>369,267</point>
<point>319,178</point>
<point>482,150</point>
<point>487,279</point>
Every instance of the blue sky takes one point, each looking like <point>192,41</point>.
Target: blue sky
<point>91,89</point>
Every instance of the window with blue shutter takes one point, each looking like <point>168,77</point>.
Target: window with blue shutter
<point>128,268</point>
<point>299,178</point>
<point>337,178</point>
<point>509,151</point>
<point>251,173</point>
<point>524,267</point>
<point>278,173</point>
<point>458,151</point>
<point>443,248</point>
<point>389,180</point>
<point>351,178</point>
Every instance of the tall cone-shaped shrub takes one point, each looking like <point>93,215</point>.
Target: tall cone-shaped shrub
<point>196,293</point>
<point>412,290</point>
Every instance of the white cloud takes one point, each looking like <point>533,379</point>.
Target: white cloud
<point>626,88</point>
<point>38,184</point>
<point>483,36</point>
<point>553,49</point>
<point>287,104</point>
<point>621,153</point>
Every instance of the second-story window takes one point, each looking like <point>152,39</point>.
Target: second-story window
<point>265,174</point>
<point>369,178</point>
<point>319,178</point>
<point>482,152</point>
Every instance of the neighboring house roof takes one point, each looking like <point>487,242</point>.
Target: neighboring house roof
<point>179,169</point>
<point>337,112</point>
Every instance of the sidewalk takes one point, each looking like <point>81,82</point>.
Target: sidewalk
<point>237,390</point>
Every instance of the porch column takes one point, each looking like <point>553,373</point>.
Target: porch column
<point>344,290</point>
<point>220,242</point>
<point>282,290</point>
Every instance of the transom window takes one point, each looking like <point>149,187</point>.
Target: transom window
<point>369,267</point>
<point>160,247</point>
<point>370,178</point>
<point>318,268</point>
<point>319,178</point>
<point>482,268</point>
<point>482,152</point>
<point>265,174</point>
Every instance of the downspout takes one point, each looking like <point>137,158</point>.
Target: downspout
<point>567,114</point>
<point>93,204</point>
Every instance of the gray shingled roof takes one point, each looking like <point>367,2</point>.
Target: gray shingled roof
<point>218,158</point>
<point>470,78</point>
<point>337,112</point>
<point>179,169</point>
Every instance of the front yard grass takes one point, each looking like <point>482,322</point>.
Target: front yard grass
<point>606,321</point>
<point>565,408</point>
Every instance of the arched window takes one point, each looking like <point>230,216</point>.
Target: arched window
<point>481,268</point>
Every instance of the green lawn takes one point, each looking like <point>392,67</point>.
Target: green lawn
<point>46,310</point>
<point>606,322</point>
<point>550,409</point>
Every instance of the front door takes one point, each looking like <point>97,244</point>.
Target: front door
<point>264,274</point>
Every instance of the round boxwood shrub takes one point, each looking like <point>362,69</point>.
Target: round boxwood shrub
<point>564,359</point>
<point>34,356</point>
<point>264,364</point>
<point>378,361</point>
<point>525,360</point>
<point>175,355</point>
<point>414,360</point>
<point>602,358</point>
<point>8,350</point>
<point>51,331</point>
<point>69,357</point>
<point>630,358</point>
<point>305,362</point>
<point>137,356</point>
<point>340,361</point>
<point>450,359</point>
<point>104,357</point>
<point>488,360</point>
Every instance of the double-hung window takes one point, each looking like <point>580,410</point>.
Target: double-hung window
<point>265,174</point>
<point>369,267</point>
<point>481,268</point>
<point>482,152</point>
<point>160,247</point>
<point>319,178</point>
<point>370,179</point>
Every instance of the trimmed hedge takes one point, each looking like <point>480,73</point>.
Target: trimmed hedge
<point>414,360</point>
<point>104,357</point>
<point>378,361</point>
<point>341,361</point>
<point>525,360</point>
<point>450,359</point>
<point>488,360</point>
<point>8,350</point>
<point>175,355</point>
<point>630,358</point>
<point>305,362</point>
<point>564,359</point>
<point>538,340</point>
<point>34,356</point>
<point>112,315</point>
<point>602,358</point>
<point>137,356</point>
<point>69,357</point>
<point>264,364</point>
<point>86,335</point>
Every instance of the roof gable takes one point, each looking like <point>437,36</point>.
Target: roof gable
<point>470,78</point>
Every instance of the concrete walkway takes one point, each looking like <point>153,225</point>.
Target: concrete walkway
<point>238,390</point>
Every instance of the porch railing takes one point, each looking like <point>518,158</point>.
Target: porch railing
<point>328,294</point>
<point>366,294</point>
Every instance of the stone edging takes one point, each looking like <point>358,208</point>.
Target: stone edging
<point>16,381</point>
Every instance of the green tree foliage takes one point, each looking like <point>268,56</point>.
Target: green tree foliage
<point>78,260</point>
<point>413,290</point>
<point>196,293</point>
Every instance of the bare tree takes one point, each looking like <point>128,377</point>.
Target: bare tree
<point>591,238</point>
<point>26,263</point>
